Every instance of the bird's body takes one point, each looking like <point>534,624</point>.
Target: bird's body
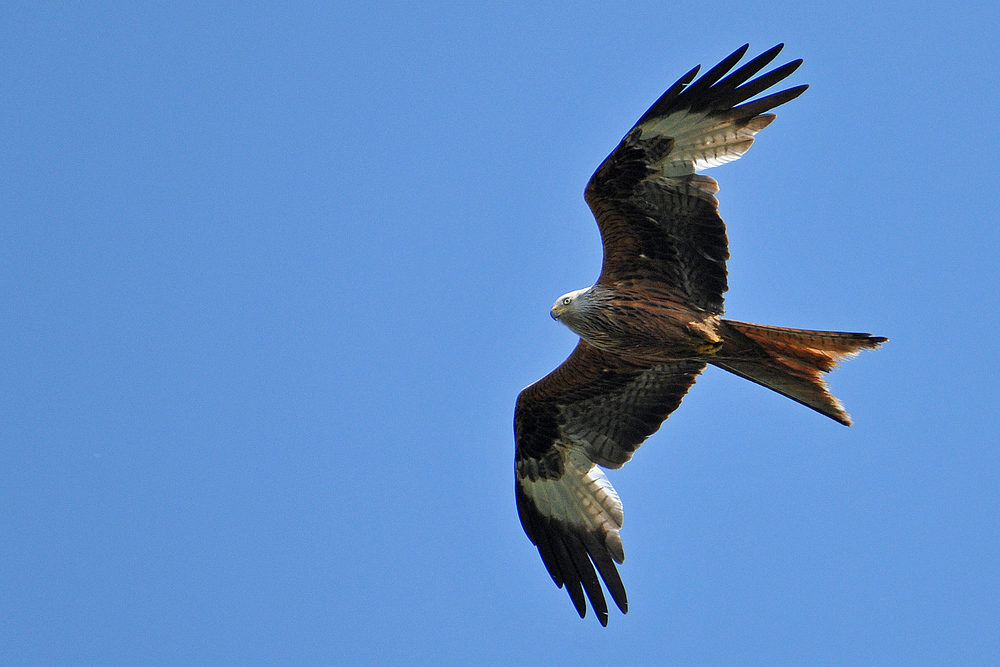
<point>652,322</point>
<point>641,322</point>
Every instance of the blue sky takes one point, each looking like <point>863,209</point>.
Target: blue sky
<point>272,276</point>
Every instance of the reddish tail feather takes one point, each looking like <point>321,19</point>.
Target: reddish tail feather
<point>791,361</point>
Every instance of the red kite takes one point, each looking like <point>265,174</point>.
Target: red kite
<point>652,323</point>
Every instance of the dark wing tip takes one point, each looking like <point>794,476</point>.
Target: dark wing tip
<point>689,77</point>
<point>764,104</point>
<point>571,579</point>
<point>717,92</point>
<point>580,555</point>
<point>604,560</point>
<point>570,556</point>
<point>666,100</point>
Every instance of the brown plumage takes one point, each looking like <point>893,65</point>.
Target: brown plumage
<point>652,323</point>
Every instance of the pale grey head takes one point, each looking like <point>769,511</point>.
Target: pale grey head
<point>579,310</point>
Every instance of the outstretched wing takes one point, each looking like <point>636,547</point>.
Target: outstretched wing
<point>659,221</point>
<point>594,410</point>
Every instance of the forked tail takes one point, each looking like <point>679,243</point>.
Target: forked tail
<point>791,361</point>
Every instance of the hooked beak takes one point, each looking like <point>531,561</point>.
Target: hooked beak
<point>554,313</point>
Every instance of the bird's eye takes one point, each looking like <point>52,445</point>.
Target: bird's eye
<point>567,301</point>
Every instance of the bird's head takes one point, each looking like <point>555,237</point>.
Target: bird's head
<point>565,304</point>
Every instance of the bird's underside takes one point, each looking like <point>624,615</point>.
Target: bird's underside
<point>652,323</point>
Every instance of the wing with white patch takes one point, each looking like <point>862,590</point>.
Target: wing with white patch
<point>593,410</point>
<point>658,219</point>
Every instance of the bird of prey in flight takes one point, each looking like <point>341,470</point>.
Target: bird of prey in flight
<point>652,322</point>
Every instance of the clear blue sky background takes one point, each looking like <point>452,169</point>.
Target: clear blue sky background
<point>272,276</point>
